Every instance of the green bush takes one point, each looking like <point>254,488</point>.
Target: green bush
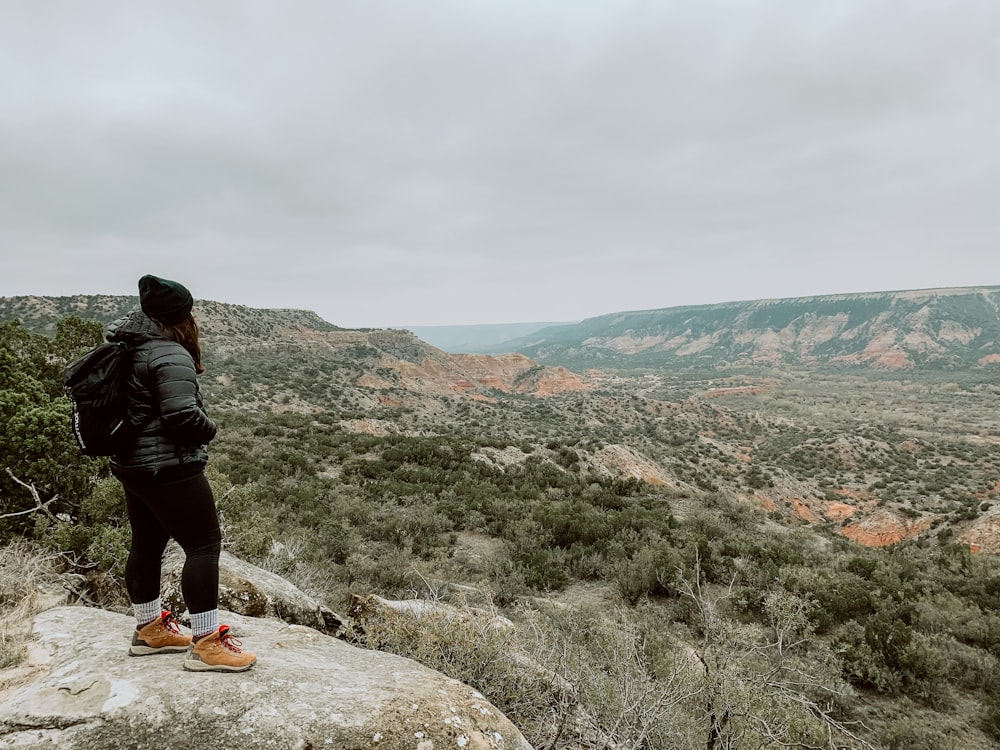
<point>839,600</point>
<point>383,569</point>
<point>864,665</point>
<point>990,720</point>
<point>911,734</point>
<point>636,576</point>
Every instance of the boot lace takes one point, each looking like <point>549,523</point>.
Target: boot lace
<point>227,639</point>
<point>169,621</point>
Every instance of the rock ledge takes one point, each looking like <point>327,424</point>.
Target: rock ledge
<point>308,691</point>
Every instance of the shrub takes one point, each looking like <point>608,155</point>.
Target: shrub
<point>990,720</point>
<point>911,734</point>
<point>864,665</point>
<point>26,574</point>
<point>837,601</point>
<point>507,665</point>
<point>863,567</point>
<point>889,655</point>
<point>636,576</point>
<point>383,569</point>
<point>635,682</point>
<point>507,582</point>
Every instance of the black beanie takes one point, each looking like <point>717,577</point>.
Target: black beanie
<point>167,301</point>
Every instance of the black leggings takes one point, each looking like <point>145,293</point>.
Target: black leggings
<point>184,510</point>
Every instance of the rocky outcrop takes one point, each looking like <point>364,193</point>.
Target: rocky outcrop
<point>448,374</point>
<point>80,691</point>
<point>369,426</point>
<point>621,461</point>
<point>984,534</point>
<point>251,591</point>
<point>362,608</point>
<point>883,527</point>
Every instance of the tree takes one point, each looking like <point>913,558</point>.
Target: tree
<point>36,440</point>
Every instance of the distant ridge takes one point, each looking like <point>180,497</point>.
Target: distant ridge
<point>40,313</point>
<point>947,328</point>
<point>938,329</point>
<point>345,365</point>
<point>475,339</point>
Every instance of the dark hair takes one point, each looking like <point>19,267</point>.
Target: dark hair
<point>185,333</point>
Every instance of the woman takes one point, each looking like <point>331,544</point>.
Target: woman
<point>166,491</point>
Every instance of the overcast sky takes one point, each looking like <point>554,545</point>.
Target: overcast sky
<point>428,162</point>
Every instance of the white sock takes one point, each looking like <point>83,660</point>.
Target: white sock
<point>146,613</point>
<point>204,623</point>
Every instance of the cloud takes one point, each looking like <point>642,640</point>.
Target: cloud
<point>393,163</point>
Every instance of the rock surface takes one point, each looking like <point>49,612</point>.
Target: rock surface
<point>308,690</point>
<point>252,591</point>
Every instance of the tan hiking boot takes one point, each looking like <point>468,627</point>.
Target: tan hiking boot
<point>219,652</point>
<point>161,636</point>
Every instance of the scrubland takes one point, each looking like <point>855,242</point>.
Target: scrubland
<point>697,607</point>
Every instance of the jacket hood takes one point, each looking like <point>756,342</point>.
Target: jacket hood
<point>134,328</point>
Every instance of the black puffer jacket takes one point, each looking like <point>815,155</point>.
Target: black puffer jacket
<point>164,400</point>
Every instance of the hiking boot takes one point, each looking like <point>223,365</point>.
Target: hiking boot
<point>218,652</point>
<point>161,636</point>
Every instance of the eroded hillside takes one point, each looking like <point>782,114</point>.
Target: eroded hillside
<point>372,365</point>
<point>876,460</point>
<point>921,329</point>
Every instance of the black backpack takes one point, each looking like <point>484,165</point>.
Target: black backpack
<point>96,384</point>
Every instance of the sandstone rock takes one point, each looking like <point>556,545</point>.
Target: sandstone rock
<point>369,426</point>
<point>308,690</point>
<point>803,511</point>
<point>983,535</point>
<point>835,511</point>
<point>883,527</point>
<point>447,374</point>
<point>364,607</point>
<point>500,458</point>
<point>621,461</point>
<point>251,591</point>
